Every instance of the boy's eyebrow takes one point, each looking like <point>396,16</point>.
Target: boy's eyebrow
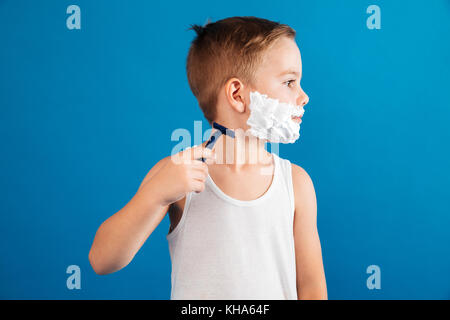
<point>290,72</point>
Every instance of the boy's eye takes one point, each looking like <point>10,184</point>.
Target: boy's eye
<point>289,82</point>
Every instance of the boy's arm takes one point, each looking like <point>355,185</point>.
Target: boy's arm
<point>311,282</point>
<point>121,236</point>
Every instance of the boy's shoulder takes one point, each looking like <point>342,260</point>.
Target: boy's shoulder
<point>298,172</point>
<point>304,193</point>
<point>302,183</point>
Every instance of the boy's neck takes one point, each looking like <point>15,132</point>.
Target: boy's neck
<point>242,150</point>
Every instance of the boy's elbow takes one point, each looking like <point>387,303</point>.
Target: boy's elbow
<point>96,266</point>
<point>102,267</point>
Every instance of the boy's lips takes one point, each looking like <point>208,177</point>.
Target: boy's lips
<point>297,119</point>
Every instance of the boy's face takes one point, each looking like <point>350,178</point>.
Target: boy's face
<point>279,74</point>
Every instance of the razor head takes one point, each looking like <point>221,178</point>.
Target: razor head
<point>212,141</point>
<point>224,130</point>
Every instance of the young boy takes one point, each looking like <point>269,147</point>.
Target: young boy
<point>236,232</point>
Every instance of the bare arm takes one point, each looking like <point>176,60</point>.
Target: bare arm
<point>121,236</point>
<point>311,284</point>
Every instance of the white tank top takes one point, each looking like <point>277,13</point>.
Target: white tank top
<point>224,248</point>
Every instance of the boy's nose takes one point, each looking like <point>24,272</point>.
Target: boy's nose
<point>303,99</point>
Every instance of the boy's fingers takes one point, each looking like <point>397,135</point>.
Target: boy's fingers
<point>198,164</point>
<point>199,175</point>
<point>198,186</point>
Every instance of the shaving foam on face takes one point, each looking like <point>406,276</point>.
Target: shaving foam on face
<point>271,119</point>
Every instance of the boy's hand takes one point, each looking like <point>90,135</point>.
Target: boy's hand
<point>182,173</point>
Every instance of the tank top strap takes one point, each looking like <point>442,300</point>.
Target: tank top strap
<point>285,177</point>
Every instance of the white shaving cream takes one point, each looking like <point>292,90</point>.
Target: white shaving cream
<point>271,119</point>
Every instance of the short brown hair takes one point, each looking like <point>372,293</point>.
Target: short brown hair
<point>228,48</point>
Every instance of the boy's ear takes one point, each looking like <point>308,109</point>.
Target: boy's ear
<point>234,91</point>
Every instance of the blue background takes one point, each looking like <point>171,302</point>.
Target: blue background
<point>86,113</point>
